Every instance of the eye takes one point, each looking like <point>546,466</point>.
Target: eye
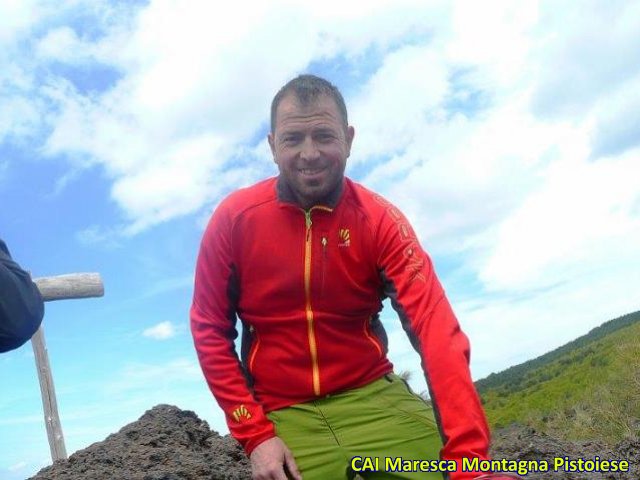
<point>290,139</point>
<point>324,137</point>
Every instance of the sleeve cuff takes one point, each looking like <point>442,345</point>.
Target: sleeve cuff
<point>253,442</point>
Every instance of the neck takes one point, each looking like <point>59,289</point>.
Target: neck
<point>286,194</point>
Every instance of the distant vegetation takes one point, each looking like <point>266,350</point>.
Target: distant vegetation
<point>585,390</point>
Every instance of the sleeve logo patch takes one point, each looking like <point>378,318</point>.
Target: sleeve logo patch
<point>241,414</point>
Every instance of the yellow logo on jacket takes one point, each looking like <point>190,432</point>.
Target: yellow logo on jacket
<point>241,414</point>
<point>345,237</point>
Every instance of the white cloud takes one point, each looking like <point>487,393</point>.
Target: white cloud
<point>394,105</point>
<point>509,329</point>
<point>143,376</point>
<point>193,84</point>
<point>505,133</point>
<point>97,235</point>
<point>16,18</point>
<point>567,226</point>
<point>580,63</point>
<point>161,331</point>
<point>60,44</point>
<point>617,121</point>
<point>539,213</point>
<point>495,35</point>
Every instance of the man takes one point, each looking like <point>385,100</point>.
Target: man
<point>304,260</point>
<point>21,306</point>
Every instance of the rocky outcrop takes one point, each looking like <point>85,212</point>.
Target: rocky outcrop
<point>167,443</point>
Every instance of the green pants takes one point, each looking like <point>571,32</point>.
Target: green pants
<point>364,431</point>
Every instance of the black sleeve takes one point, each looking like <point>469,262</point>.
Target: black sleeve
<point>21,306</point>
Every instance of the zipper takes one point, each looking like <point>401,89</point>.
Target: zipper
<point>313,347</point>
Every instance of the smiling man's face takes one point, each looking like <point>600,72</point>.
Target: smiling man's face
<point>310,145</point>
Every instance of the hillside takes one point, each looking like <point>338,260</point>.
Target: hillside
<point>586,389</point>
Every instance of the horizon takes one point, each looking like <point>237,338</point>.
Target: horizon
<point>560,347</point>
<point>508,136</point>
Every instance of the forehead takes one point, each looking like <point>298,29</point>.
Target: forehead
<point>321,111</point>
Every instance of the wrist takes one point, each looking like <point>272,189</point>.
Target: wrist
<point>254,442</point>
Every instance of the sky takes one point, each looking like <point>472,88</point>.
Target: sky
<point>507,132</point>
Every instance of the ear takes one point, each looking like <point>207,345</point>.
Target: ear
<point>272,145</point>
<point>350,134</point>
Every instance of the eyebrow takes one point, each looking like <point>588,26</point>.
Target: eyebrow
<point>298,131</point>
<point>324,130</point>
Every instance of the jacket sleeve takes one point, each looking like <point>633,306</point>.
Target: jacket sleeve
<point>426,316</point>
<point>213,320</point>
<point>21,305</point>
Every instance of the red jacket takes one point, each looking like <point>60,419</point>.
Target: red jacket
<point>308,287</point>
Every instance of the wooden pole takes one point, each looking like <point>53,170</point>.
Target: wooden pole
<point>75,285</point>
<point>49,403</point>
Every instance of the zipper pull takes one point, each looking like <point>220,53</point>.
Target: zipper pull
<point>324,243</point>
<point>307,217</point>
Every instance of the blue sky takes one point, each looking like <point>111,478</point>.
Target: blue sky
<point>509,134</point>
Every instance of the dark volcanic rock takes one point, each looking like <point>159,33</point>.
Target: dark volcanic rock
<point>166,443</point>
<point>524,443</point>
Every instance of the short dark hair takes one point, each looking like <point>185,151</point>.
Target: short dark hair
<point>307,88</point>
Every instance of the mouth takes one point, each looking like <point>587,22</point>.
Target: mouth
<point>311,171</point>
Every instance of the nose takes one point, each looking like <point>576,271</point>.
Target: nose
<point>309,149</point>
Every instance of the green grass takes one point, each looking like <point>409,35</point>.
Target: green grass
<point>588,389</point>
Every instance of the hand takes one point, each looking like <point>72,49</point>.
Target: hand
<point>268,459</point>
